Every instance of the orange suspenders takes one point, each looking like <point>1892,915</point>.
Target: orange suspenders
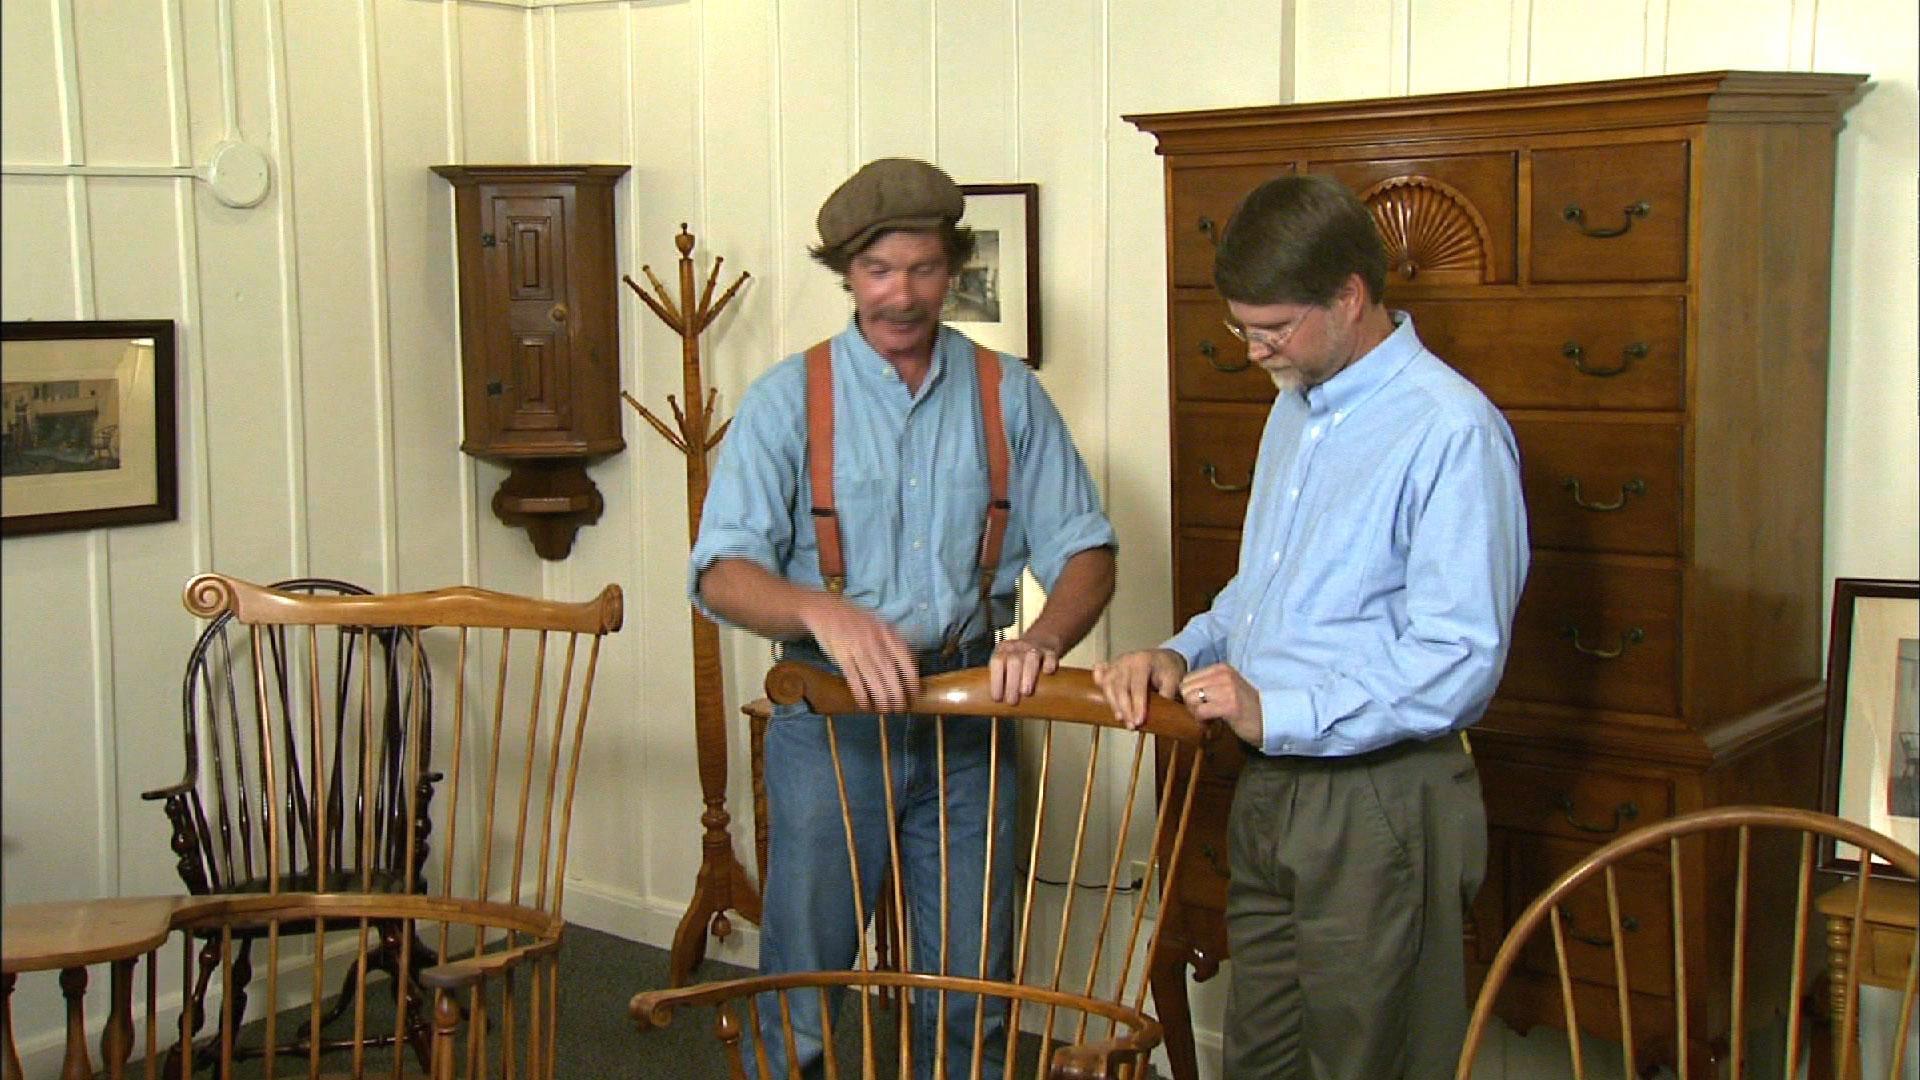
<point>826,519</point>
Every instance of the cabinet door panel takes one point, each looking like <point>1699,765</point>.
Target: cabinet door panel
<point>1586,804</point>
<point>1602,486</point>
<point>1599,635</point>
<point>1201,200</point>
<point>1610,213</point>
<point>1646,915</point>
<point>1210,364</point>
<point>1605,353</point>
<point>527,277</point>
<point>1205,566</point>
<point>1214,451</point>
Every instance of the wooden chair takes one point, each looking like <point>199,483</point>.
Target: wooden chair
<point>346,678</point>
<point>219,826</point>
<point>1079,951</point>
<point>1774,851</point>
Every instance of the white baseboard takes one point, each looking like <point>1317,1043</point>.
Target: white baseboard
<point>652,921</point>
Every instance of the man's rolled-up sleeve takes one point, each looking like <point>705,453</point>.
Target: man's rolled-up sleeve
<point>748,513</point>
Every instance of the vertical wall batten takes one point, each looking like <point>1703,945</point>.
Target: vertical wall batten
<point>293,348</point>
<point>1654,52</point>
<point>106,756</point>
<point>379,300</point>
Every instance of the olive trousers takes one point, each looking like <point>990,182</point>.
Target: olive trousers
<point>1350,883</point>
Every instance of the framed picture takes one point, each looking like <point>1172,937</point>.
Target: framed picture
<point>995,298</point>
<point>1872,766</point>
<point>87,425</point>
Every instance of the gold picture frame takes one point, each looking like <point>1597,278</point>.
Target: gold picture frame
<point>87,425</point>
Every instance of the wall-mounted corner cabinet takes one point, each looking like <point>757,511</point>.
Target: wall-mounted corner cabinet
<point>539,337</point>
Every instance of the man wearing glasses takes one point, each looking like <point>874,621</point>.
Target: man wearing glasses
<point>1384,550</point>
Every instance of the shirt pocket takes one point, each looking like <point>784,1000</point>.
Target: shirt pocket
<point>1329,562</point>
<point>869,511</point>
<point>960,500</point>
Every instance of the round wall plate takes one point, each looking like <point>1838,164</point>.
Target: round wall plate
<point>238,173</point>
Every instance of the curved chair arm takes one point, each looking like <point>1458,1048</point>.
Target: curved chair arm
<point>462,974</point>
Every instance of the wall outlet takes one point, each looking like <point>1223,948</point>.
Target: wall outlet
<point>1149,891</point>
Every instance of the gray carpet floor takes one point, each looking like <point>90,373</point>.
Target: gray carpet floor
<point>599,974</point>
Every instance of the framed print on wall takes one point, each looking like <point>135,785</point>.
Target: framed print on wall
<point>86,425</point>
<point>995,298</point>
<point>1872,765</point>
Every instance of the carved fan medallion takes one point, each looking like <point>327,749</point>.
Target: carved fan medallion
<point>1433,234</point>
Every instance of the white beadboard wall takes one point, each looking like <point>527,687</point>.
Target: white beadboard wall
<point>318,353</point>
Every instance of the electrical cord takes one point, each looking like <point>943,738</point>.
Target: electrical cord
<point>1133,887</point>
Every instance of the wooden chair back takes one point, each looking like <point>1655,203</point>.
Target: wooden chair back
<point>362,704</point>
<point>1775,852</point>
<point>1106,829</point>
<point>219,823</point>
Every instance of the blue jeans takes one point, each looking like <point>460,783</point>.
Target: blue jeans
<point>810,922</point>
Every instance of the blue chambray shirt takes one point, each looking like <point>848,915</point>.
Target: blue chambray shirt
<point>1384,551</point>
<point>910,482</point>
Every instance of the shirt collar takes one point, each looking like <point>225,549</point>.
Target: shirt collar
<point>872,369</point>
<point>1364,377</point>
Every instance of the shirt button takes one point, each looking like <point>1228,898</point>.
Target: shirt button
<point>1314,432</point>
<point>917,544</point>
<point>913,481</point>
<point>1249,620</point>
<point>1293,493</point>
<point>1276,556</point>
<point>923,605</point>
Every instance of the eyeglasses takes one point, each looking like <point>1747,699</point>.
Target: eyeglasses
<point>1271,340</point>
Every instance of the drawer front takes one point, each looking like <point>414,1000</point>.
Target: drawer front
<point>1646,916</point>
<point>1597,635</point>
<point>1605,353</point>
<point>1589,805</point>
<point>1610,213</point>
<point>1600,486</point>
<point>1201,201</point>
<point>1445,220</point>
<point>1214,448</point>
<point>1205,566</point>
<point>1886,953</point>
<point>1210,364</point>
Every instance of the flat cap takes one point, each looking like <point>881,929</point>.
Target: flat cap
<point>889,193</point>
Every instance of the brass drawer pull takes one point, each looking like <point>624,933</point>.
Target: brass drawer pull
<point>1635,486</point>
<point>1622,814</point>
<point>1633,636</point>
<point>1577,353</point>
<point>1213,231</point>
<point>1212,353</point>
<point>1628,924</point>
<point>1579,219</point>
<point>1213,477</point>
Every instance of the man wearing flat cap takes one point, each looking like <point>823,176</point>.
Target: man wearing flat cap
<point>872,509</point>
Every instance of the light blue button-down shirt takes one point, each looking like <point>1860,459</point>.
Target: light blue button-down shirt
<point>1384,550</point>
<point>910,482</point>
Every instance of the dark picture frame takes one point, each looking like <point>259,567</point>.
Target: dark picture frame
<point>995,297</point>
<point>1870,772</point>
<point>88,425</point>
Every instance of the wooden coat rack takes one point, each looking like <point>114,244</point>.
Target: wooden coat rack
<point>722,884</point>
